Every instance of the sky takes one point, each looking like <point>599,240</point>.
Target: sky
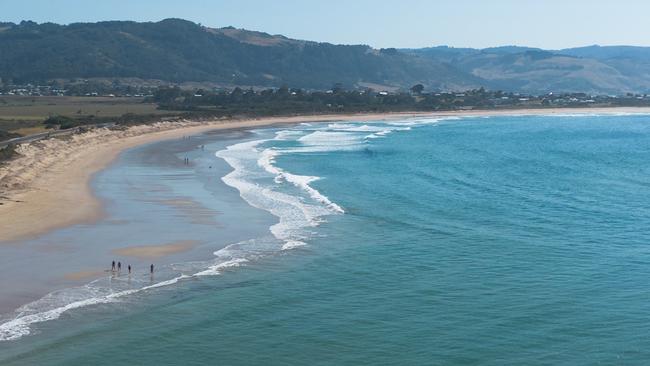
<point>549,24</point>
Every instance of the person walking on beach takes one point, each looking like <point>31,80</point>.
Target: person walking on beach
<point>129,269</point>
<point>119,266</point>
<point>113,266</point>
<point>151,269</point>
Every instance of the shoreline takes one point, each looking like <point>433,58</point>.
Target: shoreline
<point>48,186</point>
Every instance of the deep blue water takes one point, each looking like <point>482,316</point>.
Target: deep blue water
<point>491,241</point>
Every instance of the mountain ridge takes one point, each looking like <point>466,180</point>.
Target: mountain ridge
<point>177,50</point>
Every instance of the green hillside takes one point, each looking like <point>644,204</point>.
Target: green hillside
<point>180,51</point>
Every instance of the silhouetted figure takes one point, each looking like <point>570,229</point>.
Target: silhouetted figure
<point>151,269</point>
<point>119,266</point>
<point>113,266</point>
<point>129,269</point>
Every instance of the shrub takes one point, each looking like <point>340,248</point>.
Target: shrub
<point>8,152</point>
<point>6,135</point>
<point>61,122</point>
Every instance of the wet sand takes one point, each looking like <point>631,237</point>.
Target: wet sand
<point>156,251</point>
<point>83,275</point>
<point>157,210</point>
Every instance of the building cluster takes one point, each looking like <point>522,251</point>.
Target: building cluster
<point>87,89</point>
<point>32,90</point>
<point>477,98</point>
<point>573,99</point>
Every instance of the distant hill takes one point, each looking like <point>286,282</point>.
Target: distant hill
<point>593,69</point>
<point>609,52</point>
<point>179,51</point>
<point>176,50</point>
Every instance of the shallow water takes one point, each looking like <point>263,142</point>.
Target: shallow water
<point>504,240</point>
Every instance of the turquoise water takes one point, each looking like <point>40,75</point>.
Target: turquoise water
<point>492,241</point>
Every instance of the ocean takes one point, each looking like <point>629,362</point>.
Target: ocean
<point>509,240</point>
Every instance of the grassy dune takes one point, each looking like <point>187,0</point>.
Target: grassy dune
<point>25,114</point>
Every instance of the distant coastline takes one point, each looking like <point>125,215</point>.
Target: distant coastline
<point>47,186</point>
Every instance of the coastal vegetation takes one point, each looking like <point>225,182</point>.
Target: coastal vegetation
<point>285,101</point>
<point>26,115</point>
<point>7,152</point>
<point>6,135</point>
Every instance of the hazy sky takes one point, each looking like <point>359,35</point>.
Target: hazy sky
<point>379,23</point>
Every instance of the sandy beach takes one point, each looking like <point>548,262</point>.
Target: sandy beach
<point>47,186</point>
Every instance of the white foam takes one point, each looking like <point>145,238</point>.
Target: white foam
<point>293,213</point>
<point>597,114</point>
<point>45,309</point>
<point>384,133</point>
<point>31,313</point>
<point>325,141</point>
<point>416,122</point>
<point>340,126</point>
<point>379,130</point>
<point>20,326</point>
<point>217,269</point>
<point>356,128</point>
<point>267,160</point>
<point>293,245</point>
<point>288,134</point>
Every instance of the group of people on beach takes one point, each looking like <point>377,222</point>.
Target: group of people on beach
<point>119,267</point>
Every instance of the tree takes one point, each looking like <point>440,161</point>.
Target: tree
<point>417,89</point>
<point>338,88</point>
<point>389,51</point>
<point>283,91</point>
<point>167,95</point>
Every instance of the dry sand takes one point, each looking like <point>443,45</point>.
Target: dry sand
<point>47,186</point>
